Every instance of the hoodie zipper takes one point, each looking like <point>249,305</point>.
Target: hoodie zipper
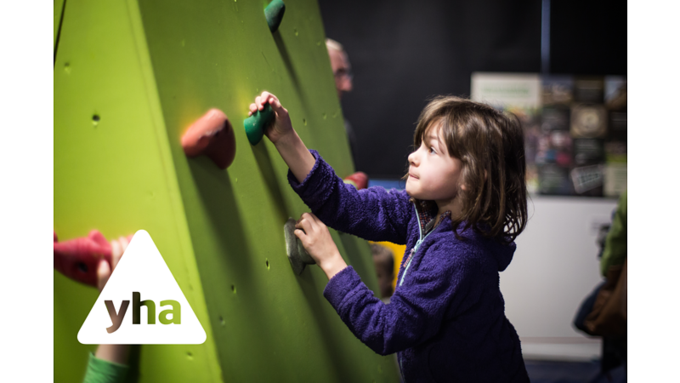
<point>408,263</point>
<point>415,247</point>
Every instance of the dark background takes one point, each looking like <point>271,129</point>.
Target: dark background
<point>404,52</point>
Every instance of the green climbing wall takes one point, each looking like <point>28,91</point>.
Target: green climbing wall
<point>129,78</point>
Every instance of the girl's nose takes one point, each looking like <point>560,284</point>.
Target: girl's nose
<point>412,159</point>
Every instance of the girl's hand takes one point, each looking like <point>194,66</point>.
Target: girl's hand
<point>283,136</point>
<point>281,125</point>
<point>317,240</point>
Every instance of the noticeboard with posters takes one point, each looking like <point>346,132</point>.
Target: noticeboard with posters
<point>575,129</point>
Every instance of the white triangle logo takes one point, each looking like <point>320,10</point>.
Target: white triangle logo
<point>143,296</point>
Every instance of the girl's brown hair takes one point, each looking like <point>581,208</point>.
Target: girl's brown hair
<point>490,144</point>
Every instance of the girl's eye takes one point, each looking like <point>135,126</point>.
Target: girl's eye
<point>432,151</point>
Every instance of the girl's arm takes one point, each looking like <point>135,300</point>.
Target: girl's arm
<point>373,213</point>
<point>418,308</point>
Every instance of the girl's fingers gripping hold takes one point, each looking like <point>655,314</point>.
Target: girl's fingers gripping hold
<point>253,109</point>
<point>278,108</point>
<point>302,236</point>
<point>310,236</point>
<point>304,224</point>
<point>281,125</point>
<point>319,244</point>
<point>262,99</point>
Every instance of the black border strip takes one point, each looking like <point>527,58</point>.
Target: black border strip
<point>61,24</point>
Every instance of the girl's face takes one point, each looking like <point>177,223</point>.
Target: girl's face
<point>433,174</point>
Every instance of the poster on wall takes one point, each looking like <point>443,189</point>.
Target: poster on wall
<point>575,129</point>
<point>615,148</point>
<point>521,95</point>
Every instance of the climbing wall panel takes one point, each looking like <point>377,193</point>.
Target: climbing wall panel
<point>130,77</point>
<point>113,172</point>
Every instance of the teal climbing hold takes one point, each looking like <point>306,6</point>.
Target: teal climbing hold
<point>274,14</point>
<point>256,124</point>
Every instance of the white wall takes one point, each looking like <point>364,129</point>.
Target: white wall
<point>554,268</point>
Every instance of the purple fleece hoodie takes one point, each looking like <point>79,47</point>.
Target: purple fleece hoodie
<point>446,319</point>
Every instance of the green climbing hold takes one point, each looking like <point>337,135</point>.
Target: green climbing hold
<point>256,123</point>
<point>274,14</point>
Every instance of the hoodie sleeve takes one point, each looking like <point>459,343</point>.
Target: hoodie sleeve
<point>417,310</point>
<point>374,213</point>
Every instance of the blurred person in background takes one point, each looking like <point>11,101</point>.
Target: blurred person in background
<point>342,72</point>
<point>603,312</point>
<point>383,258</point>
<point>613,264</point>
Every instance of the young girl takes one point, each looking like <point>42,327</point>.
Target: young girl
<point>464,204</point>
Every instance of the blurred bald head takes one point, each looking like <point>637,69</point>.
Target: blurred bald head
<point>342,70</point>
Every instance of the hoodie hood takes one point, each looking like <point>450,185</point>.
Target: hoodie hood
<point>427,212</point>
<point>503,253</point>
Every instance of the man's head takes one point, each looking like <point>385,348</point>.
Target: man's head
<point>342,70</point>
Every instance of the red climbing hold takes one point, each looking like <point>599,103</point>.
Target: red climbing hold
<point>212,136</point>
<point>358,179</point>
<point>79,258</point>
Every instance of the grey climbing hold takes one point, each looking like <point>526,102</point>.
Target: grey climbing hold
<point>297,255</point>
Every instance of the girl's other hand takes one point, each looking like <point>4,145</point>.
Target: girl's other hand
<point>281,125</point>
<point>317,240</point>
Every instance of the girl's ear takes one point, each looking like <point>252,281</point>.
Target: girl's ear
<point>486,176</point>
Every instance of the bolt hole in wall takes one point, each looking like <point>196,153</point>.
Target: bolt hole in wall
<point>95,119</point>
<point>233,289</point>
<point>190,356</point>
<point>266,262</point>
